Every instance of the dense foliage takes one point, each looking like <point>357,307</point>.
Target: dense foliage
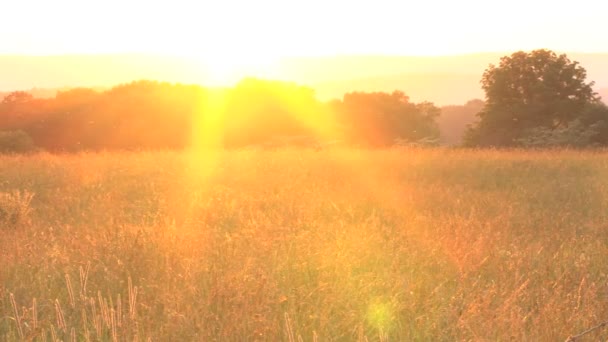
<point>379,119</point>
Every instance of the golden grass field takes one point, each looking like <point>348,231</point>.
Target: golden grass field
<point>289,245</point>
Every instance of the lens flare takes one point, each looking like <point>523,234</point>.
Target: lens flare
<point>380,315</point>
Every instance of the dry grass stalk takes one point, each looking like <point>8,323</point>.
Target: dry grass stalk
<point>93,305</point>
<point>68,283</point>
<point>132,299</point>
<point>17,316</point>
<point>103,307</point>
<point>95,317</point>
<point>383,336</point>
<point>85,325</point>
<point>34,314</point>
<point>574,338</point>
<point>289,328</point>
<point>579,298</point>
<point>113,325</point>
<point>97,323</point>
<point>84,276</point>
<point>73,335</point>
<point>360,333</point>
<point>59,315</point>
<point>515,295</point>
<point>119,310</point>
<point>53,334</point>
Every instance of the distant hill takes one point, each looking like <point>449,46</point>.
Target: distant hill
<point>455,119</point>
<point>27,72</point>
<point>442,89</point>
<point>44,93</point>
<point>444,80</point>
<point>37,92</point>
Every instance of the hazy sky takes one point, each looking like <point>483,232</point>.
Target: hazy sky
<point>262,29</point>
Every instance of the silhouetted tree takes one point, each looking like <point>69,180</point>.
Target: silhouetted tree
<point>17,97</point>
<point>379,119</point>
<point>531,90</point>
<point>18,109</point>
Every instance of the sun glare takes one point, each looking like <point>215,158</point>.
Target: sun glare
<point>225,68</point>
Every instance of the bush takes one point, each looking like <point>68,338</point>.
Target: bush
<point>424,142</point>
<point>576,134</point>
<point>16,142</point>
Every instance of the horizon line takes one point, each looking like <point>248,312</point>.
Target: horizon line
<point>291,56</point>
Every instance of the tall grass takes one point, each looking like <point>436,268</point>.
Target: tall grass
<point>391,245</point>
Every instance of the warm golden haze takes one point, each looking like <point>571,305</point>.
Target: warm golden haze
<point>532,99</point>
<point>303,170</point>
<point>445,80</point>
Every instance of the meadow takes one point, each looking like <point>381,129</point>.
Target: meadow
<point>302,245</point>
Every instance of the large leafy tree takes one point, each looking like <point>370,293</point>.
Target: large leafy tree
<point>528,91</point>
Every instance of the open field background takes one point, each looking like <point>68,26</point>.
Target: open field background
<point>399,245</point>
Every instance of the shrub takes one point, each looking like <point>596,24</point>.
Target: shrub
<point>423,142</point>
<point>16,142</point>
<point>575,134</point>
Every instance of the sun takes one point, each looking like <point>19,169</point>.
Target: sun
<point>226,68</point>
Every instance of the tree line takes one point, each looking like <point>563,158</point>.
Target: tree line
<point>533,99</point>
<point>159,115</point>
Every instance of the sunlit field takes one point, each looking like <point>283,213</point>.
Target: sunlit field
<point>304,245</point>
